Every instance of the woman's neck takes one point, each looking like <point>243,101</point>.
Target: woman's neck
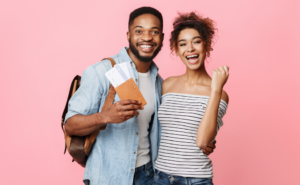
<point>198,76</point>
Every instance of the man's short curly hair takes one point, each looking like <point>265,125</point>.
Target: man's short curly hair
<point>204,26</point>
<point>145,10</point>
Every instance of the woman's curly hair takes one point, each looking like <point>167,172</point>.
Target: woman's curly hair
<point>205,27</point>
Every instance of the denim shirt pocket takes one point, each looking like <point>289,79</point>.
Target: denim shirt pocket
<point>117,126</point>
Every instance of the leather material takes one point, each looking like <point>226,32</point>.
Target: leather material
<point>130,91</point>
<point>80,147</point>
<point>76,150</point>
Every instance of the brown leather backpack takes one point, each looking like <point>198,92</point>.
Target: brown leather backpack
<point>80,147</point>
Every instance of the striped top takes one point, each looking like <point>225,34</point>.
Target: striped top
<point>180,116</point>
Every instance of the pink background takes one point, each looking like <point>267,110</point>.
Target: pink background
<point>43,44</point>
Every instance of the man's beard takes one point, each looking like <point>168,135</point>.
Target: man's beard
<point>142,58</point>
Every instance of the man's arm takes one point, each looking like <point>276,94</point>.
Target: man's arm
<point>82,125</point>
<point>83,117</point>
<point>210,148</point>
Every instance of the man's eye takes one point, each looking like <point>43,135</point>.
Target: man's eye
<point>155,32</point>
<point>138,31</point>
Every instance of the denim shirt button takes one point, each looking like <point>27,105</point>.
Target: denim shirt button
<point>132,170</point>
<point>134,152</point>
<point>136,133</point>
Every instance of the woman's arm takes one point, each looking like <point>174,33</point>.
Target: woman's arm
<point>208,126</point>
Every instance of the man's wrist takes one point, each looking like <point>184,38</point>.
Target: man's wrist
<point>102,119</point>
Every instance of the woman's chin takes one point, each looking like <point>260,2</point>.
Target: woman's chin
<point>192,62</point>
<point>193,65</point>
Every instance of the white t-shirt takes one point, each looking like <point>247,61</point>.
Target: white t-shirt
<point>144,118</point>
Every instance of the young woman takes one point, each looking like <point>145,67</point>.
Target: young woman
<point>192,108</point>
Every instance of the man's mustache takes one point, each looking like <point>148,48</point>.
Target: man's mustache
<point>146,43</point>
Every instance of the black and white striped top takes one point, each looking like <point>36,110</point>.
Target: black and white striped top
<point>180,116</point>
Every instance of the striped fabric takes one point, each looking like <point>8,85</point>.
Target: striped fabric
<point>180,116</point>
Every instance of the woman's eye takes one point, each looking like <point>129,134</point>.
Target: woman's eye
<point>197,42</point>
<point>182,44</point>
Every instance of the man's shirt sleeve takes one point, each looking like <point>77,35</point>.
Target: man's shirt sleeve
<point>86,99</point>
<point>160,81</point>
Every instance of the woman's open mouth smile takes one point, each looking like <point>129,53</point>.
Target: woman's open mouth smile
<point>192,59</point>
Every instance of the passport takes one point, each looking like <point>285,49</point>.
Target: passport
<point>122,78</point>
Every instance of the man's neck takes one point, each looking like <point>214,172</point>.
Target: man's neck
<point>141,67</point>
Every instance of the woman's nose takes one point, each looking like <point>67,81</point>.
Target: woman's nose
<point>190,48</point>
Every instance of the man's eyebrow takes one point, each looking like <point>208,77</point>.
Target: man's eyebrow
<point>138,26</point>
<point>143,27</point>
<point>155,28</point>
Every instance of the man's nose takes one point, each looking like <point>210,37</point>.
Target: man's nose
<point>147,36</point>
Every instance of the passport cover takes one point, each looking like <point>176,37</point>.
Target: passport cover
<point>130,91</point>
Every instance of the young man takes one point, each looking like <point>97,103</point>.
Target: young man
<point>124,153</point>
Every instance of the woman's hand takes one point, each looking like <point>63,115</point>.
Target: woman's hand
<point>219,78</point>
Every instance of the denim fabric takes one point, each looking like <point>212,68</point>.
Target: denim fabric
<point>161,178</point>
<point>112,159</point>
<point>144,175</point>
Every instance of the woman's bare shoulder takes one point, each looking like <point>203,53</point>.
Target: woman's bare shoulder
<point>225,96</point>
<point>168,83</point>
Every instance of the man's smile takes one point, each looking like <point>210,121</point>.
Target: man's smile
<point>146,47</point>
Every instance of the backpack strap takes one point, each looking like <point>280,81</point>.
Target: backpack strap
<point>74,86</point>
<point>111,92</point>
<point>108,102</point>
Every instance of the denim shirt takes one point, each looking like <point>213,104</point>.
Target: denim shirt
<point>112,159</point>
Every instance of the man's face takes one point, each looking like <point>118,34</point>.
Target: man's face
<point>145,37</point>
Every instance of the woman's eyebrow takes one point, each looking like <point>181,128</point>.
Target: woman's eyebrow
<point>197,37</point>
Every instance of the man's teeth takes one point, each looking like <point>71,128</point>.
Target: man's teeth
<point>191,56</point>
<point>145,46</point>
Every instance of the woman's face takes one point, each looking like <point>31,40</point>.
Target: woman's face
<point>190,48</point>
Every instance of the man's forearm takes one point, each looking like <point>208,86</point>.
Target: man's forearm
<point>82,125</point>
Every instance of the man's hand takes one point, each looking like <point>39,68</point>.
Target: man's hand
<point>122,111</point>
<point>210,148</point>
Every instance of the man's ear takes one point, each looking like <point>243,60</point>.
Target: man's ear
<point>128,36</point>
<point>162,37</point>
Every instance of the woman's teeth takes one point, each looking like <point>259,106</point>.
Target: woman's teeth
<point>192,56</point>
